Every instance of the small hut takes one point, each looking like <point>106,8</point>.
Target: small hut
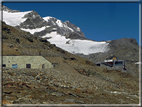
<point>33,62</point>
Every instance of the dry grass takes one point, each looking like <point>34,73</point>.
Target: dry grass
<point>6,50</point>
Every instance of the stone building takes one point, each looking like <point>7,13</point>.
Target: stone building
<point>33,62</point>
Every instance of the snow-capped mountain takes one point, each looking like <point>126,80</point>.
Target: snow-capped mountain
<point>64,34</point>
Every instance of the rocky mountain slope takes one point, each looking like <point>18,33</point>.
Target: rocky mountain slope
<point>74,80</point>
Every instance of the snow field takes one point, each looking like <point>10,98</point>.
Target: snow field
<point>14,19</point>
<point>47,18</point>
<point>32,31</point>
<point>85,47</point>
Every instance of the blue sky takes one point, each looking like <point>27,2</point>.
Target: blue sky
<point>98,21</point>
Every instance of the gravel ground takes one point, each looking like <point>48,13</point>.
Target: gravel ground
<point>57,86</point>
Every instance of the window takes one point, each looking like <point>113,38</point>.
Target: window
<point>14,65</point>
<point>98,64</point>
<point>28,65</point>
<point>118,63</point>
<point>109,63</point>
<point>3,65</point>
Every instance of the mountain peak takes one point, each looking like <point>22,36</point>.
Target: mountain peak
<point>32,14</point>
<point>67,21</point>
<point>6,9</point>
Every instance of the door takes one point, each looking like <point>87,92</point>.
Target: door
<point>3,65</point>
<point>28,65</point>
<point>43,65</point>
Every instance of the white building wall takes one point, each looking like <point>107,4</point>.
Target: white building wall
<point>21,61</point>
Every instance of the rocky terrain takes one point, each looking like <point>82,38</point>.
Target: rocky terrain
<point>54,86</point>
<point>73,80</point>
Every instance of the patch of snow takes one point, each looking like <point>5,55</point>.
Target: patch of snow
<point>76,46</point>
<point>56,38</point>
<point>87,47</point>
<point>59,23</point>
<point>47,18</point>
<point>14,19</point>
<point>65,26</point>
<point>32,31</point>
<point>70,28</point>
<point>54,28</point>
<point>138,63</point>
<point>116,92</point>
<point>53,23</point>
<point>34,16</point>
<point>78,29</point>
<point>52,34</point>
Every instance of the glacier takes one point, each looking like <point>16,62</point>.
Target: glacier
<point>77,46</point>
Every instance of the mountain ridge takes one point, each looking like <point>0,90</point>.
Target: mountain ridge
<point>4,8</point>
<point>34,20</point>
